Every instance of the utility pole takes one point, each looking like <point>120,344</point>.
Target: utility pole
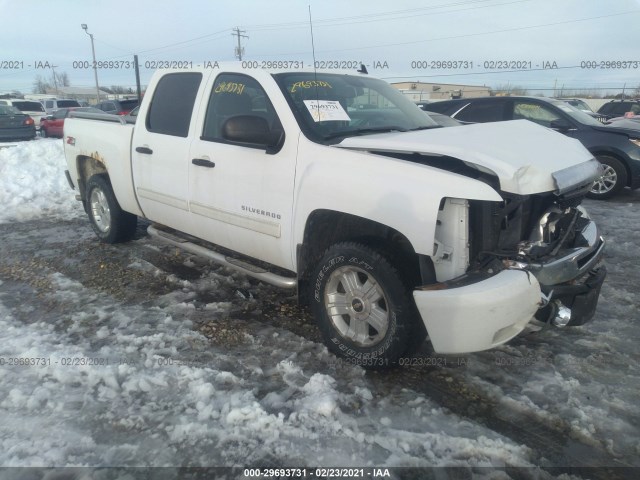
<point>239,50</point>
<point>138,90</point>
<point>95,65</point>
<point>55,79</point>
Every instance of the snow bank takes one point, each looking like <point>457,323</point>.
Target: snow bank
<point>33,184</point>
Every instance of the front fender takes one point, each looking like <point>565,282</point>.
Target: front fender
<point>403,195</point>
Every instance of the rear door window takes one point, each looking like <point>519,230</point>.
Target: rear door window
<point>623,107</point>
<point>482,112</point>
<point>172,104</point>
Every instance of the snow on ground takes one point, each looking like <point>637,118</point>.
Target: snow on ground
<point>157,393</point>
<point>586,378</point>
<point>33,182</point>
<point>167,398</point>
<point>127,385</point>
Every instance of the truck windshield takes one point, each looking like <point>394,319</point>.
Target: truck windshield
<point>330,107</point>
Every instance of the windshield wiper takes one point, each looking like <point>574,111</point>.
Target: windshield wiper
<point>365,131</point>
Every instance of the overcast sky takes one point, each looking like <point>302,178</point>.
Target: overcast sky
<point>391,35</point>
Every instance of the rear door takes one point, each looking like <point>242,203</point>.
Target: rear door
<point>160,149</point>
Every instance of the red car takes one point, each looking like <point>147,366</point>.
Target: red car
<point>51,125</point>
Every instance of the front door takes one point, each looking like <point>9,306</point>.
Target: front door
<point>240,193</point>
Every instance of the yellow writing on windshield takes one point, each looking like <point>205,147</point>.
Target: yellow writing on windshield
<point>310,84</point>
<point>230,87</point>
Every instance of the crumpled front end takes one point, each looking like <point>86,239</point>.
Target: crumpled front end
<point>532,256</point>
<point>478,311</point>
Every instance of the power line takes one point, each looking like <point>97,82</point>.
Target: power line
<point>343,20</point>
<point>466,35</point>
<point>239,50</point>
<point>384,15</point>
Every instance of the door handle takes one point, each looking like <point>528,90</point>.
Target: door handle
<point>201,162</point>
<point>146,150</point>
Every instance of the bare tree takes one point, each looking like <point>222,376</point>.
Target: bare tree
<point>508,89</point>
<point>62,79</point>
<point>117,89</point>
<point>40,85</point>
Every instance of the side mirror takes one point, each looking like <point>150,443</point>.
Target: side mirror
<point>252,130</point>
<point>560,124</point>
<point>49,117</point>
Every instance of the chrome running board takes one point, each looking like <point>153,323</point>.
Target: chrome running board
<point>240,265</point>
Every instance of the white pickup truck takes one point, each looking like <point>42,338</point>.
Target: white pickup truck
<point>391,227</point>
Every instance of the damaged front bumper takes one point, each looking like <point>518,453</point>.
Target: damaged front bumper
<point>482,310</point>
<point>571,281</point>
<point>476,313</point>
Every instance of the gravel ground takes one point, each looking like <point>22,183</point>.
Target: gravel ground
<point>144,273</point>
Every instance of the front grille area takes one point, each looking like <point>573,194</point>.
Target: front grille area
<point>497,229</point>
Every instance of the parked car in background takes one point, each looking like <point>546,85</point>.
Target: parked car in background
<point>51,105</point>
<point>132,115</point>
<point>117,107</point>
<point>15,125</point>
<point>52,125</point>
<point>632,122</point>
<point>578,103</point>
<point>617,149</point>
<point>443,120</point>
<point>618,108</point>
<point>29,107</point>
<point>584,107</point>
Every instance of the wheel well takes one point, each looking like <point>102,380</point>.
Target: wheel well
<point>617,157</point>
<point>326,227</point>
<point>88,167</point>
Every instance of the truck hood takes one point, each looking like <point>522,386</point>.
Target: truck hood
<point>526,158</point>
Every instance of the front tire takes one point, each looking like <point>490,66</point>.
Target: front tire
<point>43,132</point>
<point>363,309</point>
<point>110,223</point>
<point>613,179</point>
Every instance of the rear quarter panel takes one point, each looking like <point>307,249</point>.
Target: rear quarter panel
<point>109,144</point>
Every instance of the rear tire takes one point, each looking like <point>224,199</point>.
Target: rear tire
<point>110,223</point>
<point>612,180</point>
<point>364,311</point>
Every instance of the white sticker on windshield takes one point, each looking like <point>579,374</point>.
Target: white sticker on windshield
<point>565,108</point>
<point>326,110</point>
